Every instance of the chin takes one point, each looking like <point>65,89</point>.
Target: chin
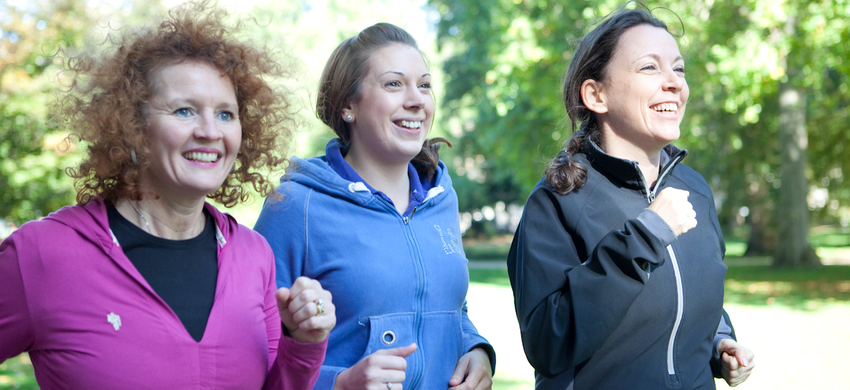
<point>671,135</point>
<point>412,149</point>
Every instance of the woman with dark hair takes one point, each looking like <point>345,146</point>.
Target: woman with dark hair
<point>376,221</point>
<point>617,265</point>
<point>142,284</point>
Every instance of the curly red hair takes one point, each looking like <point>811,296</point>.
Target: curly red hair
<point>109,94</point>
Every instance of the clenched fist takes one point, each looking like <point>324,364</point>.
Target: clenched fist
<point>673,207</point>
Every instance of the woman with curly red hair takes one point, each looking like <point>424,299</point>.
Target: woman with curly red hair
<point>143,284</point>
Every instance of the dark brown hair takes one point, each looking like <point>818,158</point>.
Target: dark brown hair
<point>590,62</point>
<point>342,82</point>
<point>106,105</point>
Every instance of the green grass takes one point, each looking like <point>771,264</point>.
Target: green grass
<point>495,276</point>
<point>735,248</point>
<point>829,236</point>
<point>802,289</point>
<point>487,250</point>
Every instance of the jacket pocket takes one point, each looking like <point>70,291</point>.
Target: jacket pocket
<point>390,331</point>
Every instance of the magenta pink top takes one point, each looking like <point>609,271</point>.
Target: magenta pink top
<point>71,298</point>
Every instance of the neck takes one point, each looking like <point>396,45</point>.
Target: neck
<point>164,219</point>
<point>649,161</point>
<point>391,179</point>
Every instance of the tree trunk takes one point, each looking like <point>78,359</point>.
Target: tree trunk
<point>793,248</point>
<point>762,240</point>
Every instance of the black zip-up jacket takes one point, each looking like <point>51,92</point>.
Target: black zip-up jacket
<point>607,297</point>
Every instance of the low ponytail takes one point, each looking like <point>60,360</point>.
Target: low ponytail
<point>564,173</point>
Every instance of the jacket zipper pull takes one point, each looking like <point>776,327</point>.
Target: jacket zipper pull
<point>409,217</point>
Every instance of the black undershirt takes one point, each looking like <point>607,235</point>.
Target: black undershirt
<point>182,272</point>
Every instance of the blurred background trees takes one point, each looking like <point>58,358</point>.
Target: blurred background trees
<point>30,184</point>
<point>777,165</point>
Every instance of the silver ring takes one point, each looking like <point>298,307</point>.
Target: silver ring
<point>320,306</point>
<point>389,385</point>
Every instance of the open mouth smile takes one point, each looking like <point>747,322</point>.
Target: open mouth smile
<point>201,157</point>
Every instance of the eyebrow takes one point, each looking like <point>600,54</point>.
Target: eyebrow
<point>657,57</point>
<point>402,73</point>
<point>181,101</point>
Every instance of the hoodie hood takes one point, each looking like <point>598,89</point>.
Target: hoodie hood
<point>315,173</point>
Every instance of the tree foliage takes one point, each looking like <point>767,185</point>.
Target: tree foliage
<point>32,182</point>
<point>506,59</point>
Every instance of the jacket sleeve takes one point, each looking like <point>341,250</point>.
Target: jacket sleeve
<point>284,226</point>
<point>724,331</point>
<point>15,323</point>
<point>568,306</point>
<point>471,339</point>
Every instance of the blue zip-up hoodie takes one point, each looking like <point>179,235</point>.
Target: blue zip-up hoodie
<point>395,279</point>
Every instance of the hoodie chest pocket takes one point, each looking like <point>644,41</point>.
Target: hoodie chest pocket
<point>390,331</point>
<point>438,336</point>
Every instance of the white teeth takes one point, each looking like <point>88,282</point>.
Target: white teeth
<point>666,107</point>
<point>201,157</point>
<point>411,124</point>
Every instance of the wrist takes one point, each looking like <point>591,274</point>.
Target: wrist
<point>340,380</point>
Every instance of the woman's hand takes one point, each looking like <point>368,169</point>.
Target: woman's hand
<point>736,361</point>
<point>673,207</point>
<point>307,310</point>
<point>472,372</point>
<point>375,371</point>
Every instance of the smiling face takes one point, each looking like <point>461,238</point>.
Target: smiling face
<point>642,100</point>
<point>194,133</point>
<point>391,118</point>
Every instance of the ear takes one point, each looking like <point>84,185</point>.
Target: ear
<point>593,96</point>
<point>348,110</point>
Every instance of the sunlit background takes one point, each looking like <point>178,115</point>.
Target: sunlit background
<point>497,67</point>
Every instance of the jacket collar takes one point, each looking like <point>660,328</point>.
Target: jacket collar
<point>627,172</point>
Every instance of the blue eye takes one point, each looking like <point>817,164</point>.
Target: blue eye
<point>225,116</point>
<point>182,112</point>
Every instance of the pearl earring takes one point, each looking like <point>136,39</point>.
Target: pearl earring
<point>348,118</point>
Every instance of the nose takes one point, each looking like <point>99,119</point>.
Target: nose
<point>674,81</point>
<point>207,127</point>
<point>415,99</point>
